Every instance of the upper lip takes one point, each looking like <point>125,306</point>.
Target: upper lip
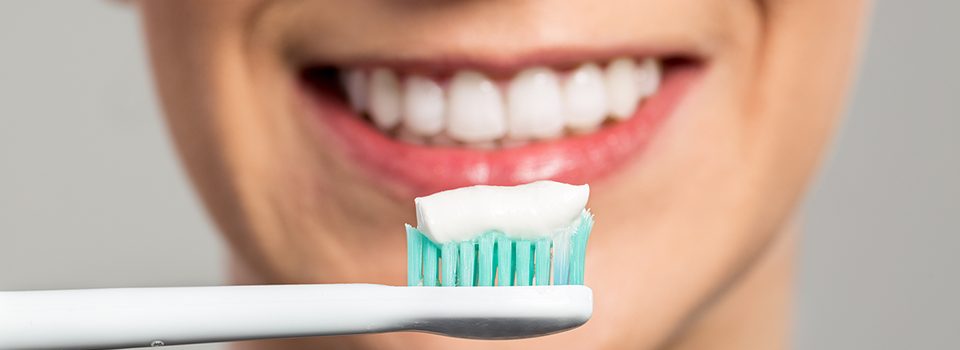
<point>497,65</point>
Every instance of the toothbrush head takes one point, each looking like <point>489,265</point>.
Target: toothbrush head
<point>542,270</point>
<point>495,258</point>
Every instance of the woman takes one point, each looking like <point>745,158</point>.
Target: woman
<point>308,127</point>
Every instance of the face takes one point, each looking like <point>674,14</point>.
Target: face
<point>308,127</point>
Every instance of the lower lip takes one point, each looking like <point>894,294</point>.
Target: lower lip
<point>419,170</point>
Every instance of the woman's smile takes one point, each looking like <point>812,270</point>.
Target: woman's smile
<point>420,115</point>
<point>572,121</point>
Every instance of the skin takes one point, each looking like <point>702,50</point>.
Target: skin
<point>693,245</point>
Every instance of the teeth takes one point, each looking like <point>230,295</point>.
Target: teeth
<point>476,109</point>
<point>384,99</point>
<point>648,76</point>
<point>423,106</point>
<point>586,98</point>
<point>623,92</point>
<point>534,105</point>
<point>355,82</point>
<point>470,110</point>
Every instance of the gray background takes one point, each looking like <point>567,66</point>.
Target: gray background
<point>91,194</point>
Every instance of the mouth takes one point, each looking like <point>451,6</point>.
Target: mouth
<point>429,126</point>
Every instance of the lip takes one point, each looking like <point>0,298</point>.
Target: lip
<point>500,65</point>
<point>421,169</point>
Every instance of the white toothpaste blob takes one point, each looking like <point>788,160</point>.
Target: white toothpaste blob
<point>533,210</point>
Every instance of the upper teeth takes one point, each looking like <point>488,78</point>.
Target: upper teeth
<point>537,103</point>
<point>585,95</point>
<point>476,108</point>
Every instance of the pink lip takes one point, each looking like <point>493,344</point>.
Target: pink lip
<point>421,170</point>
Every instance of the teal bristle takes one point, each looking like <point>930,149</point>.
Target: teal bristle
<point>523,264</point>
<point>414,256</point>
<point>486,258</point>
<point>495,259</point>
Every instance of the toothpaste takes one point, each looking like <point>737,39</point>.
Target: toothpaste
<point>529,211</point>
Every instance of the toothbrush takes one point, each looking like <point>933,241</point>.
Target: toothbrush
<point>524,279</point>
<point>141,317</point>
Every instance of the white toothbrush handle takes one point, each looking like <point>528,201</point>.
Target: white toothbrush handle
<point>135,317</point>
<point>138,317</point>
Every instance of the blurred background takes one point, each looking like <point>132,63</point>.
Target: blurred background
<point>91,193</point>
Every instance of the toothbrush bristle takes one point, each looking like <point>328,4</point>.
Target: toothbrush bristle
<point>495,259</point>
